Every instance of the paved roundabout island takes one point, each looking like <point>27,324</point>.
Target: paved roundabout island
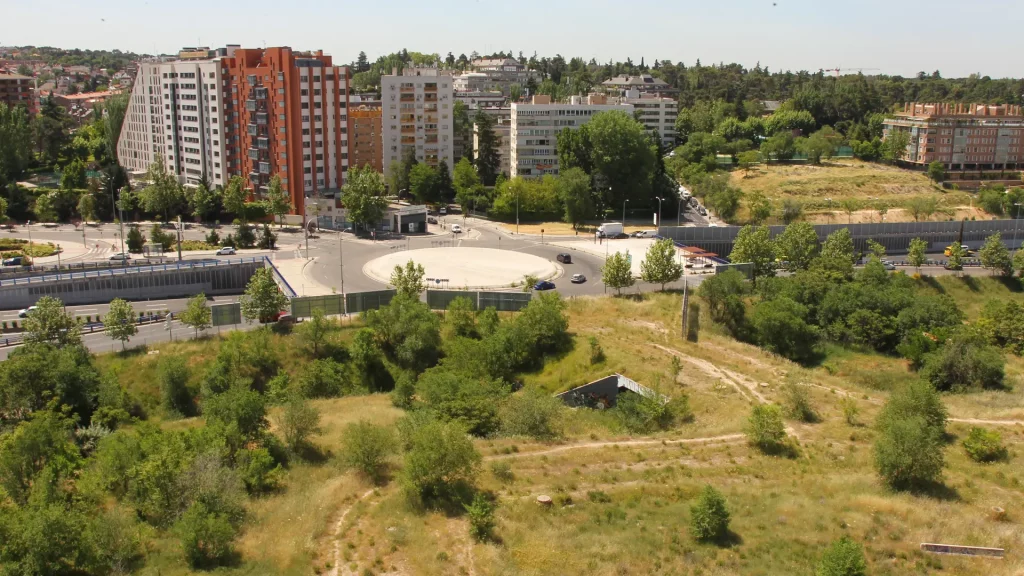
<point>473,268</point>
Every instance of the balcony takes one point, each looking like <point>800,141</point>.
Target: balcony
<point>263,143</point>
<point>259,93</point>
<point>407,87</point>
<point>430,87</point>
<point>408,139</point>
<point>262,118</point>
<point>430,97</point>
<point>264,167</point>
<point>254,154</point>
<point>250,105</point>
<point>408,129</point>
<point>252,129</point>
<point>407,98</point>
<point>254,177</point>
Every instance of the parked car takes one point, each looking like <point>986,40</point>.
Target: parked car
<point>544,285</point>
<point>949,250</point>
<point>226,251</point>
<point>16,261</point>
<point>456,229</point>
<point>285,319</point>
<point>702,211</point>
<point>636,234</point>
<point>121,256</point>
<point>564,258</point>
<point>647,234</point>
<point>431,220</point>
<point>694,202</point>
<point>578,279</point>
<point>24,313</point>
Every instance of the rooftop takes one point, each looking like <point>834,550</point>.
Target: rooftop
<point>946,110</point>
<point>643,81</point>
<point>11,76</point>
<point>91,95</point>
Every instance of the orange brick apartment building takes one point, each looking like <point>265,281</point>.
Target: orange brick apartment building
<point>366,139</point>
<point>16,89</point>
<point>962,136</point>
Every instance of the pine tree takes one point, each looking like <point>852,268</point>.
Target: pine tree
<point>488,162</point>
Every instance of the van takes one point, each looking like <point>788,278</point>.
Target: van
<point>647,234</point>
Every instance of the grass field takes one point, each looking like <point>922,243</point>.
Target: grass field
<point>873,185</point>
<point>622,503</point>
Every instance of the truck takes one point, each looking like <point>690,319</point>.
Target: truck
<point>609,229</point>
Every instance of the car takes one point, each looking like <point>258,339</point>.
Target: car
<point>647,234</point>
<point>285,319</point>
<point>564,258</point>
<point>949,250</point>
<point>431,220</point>
<point>456,229</point>
<point>888,265</point>
<point>694,202</point>
<point>16,261</point>
<point>121,256</point>
<point>544,285</point>
<point>226,251</point>
<point>24,313</point>
<point>702,210</point>
<point>578,279</point>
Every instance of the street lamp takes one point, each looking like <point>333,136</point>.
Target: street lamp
<point>121,224</point>
<point>659,210</point>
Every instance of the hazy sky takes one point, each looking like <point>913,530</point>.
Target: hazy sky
<point>957,38</point>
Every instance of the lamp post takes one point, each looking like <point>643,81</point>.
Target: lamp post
<point>121,225</point>
<point>659,210</point>
<point>517,212</point>
<point>623,213</point>
<point>1018,205</point>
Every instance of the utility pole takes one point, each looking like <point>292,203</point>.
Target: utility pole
<point>658,223</point>
<point>179,238</point>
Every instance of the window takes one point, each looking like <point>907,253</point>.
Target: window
<point>280,75</point>
<point>316,92</point>
<point>305,117</point>
<point>303,92</point>
<point>304,106</point>
<point>307,170</point>
<point>280,116</point>
<point>304,78</point>
<point>318,118</point>
<point>316,78</point>
<point>280,90</point>
<point>305,157</point>
<point>319,156</point>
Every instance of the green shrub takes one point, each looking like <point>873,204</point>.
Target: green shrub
<point>798,403</point>
<point>598,497</point>
<point>213,238</point>
<point>366,447</point>
<point>502,470</point>
<point>844,557</point>
<point>532,413</point>
<point>206,537</point>
<point>908,453</point>
<point>440,463</point>
<point>175,396</point>
<point>258,470</point>
<point>405,390</point>
<point>984,445</point>
<point>596,352</point>
<point>481,517</point>
<point>642,414</point>
<point>324,378</point>
<point>766,430</point>
<point>965,361</point>
<point>850,410</point>
<point>456,397</point>
<point>709,517</point>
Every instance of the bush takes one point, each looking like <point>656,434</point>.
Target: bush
<point>502,471</point>
<point>916,398</point>
<point>366,447</point>
<point>481,518</point>
<point>781,327</point>
<point>206,537</point>
<point>844,557</point>
<point>299,420</point>
<point>850,410</point>
<point>260,473</point>
<point>966,361</point>
<point>908,453</point>
<point>532,413</point>
<point>642,414</point>
<point>455,397</point>
<point>324,378</point>
<point>440,462</point>
<point>798,403</point>
<point>984,445</point>
<point>596,352</point>
<point>766,430</point>
<point>405,390</point>
<point>175,396</point>
<point>213,238</point>
<point>709,517</point>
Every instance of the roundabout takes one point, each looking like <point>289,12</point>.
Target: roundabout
<point>472,268</point>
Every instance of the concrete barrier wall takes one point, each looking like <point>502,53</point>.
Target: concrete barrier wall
<point>141,285</point>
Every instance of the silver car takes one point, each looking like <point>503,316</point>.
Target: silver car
<point>226,251</point>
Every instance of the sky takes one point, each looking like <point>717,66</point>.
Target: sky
<point>955,37</point>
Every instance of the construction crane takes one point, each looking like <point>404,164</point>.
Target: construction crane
<point>840,70</point>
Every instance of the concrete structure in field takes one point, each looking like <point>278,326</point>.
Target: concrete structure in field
<point>417,116</point>
<point>16,89</point>
<point>644,83</point>
<point>253,113</point>
<point>962,136</point>
<point>604,392</point>
<point>503,131</point>
<point>535,127</point>
<point>365,137</point>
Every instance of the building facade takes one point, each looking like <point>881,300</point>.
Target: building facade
<point>534,130</point>
<point>961,136</point>
<point>365,138</point>
<point>643,83</point>
<point>417,117</point>
<point>657,114</point>
<point>16,89</point>
<point>176,115</point>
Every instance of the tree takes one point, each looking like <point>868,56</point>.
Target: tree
<point>481,517</point>
<point>39,452</point>
<point>73,176</point>
<point>984,445</point>
<point>175,397</point>
<point>445,191</point>
<point>617,272</point>
<point>135,240</point>
<point>922,206</point>
<point>407,331</point>
<point>314,331</point>
<point>622,154</point>
<point>163,196</point>
<point>575,149</point>
<point>908,453</point>
<point>114,109</point>
<point>1018,262</point>
<point>765,428</point>
<point>366,448</point>
<point>206,536</point>
<point>818,145</point>
<point>298,422</point>
<point>235,196</point>
<point>709,517</point>
<point>465,179</point>
<point>197,314</point>
<point>779,147</point>
<point>488,158</point>
<point>760,208</point>
<point>791,211</point>
<point>278,202</point>
<point>797,246</point>
<point>956,257</point>
<point>363,196</point>
<point>781,326</point>
<point>262,299</point>
<point>86,207</point>
<point>748,159</point>
<point>533,414</point>
<point>843,557</point>
<point>995,256</point>
<point>119,323</point>
<point>49,323</point>
<point>850,205</point>
<point>966,361</point>
<point>754,245</point>
<point>660,265</point>
<point>837,255</point>
<point>916,256</point>
<point>202,202</point>
<point>894,147</point>
<point>460,319</point>
<point>408,280</point>
<point>440,460</point>
<point>574,190</point>
<point>424,184</point>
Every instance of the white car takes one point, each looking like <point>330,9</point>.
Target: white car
<point>226,251</point>
<point>647,234</point>
<point>456,229</point>
<point>888,265</point>
<point>24,313</point>
<point>121,256</point>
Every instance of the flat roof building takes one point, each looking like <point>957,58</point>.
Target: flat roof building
<point>365,138</point>
<point>16,89</point>
<point>641,82</point>
<point>417,116</point>
<point>961,136</point>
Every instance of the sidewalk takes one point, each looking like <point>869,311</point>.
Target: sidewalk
<point>296,271</point>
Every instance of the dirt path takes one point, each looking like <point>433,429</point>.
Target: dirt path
<point>745,386</point>
<point>992,422</point>
<point>340,568</point>
<point>726,438</point>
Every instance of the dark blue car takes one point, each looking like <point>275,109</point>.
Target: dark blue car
<point>544,285</point>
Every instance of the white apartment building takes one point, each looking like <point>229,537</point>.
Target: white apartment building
<point>657,114</point>
<point>176,114</point>
<point>535,127</point>
<point>416,110</point>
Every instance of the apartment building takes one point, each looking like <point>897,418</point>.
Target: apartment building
<point>16,89</point>
<point>657,114</point>
<point>416,107</point>
<point>502,116</point>
<point>497,74</point>
<point>961,136</point>
<point>177,114</point>
<point>535,127</point>
<point>643,83</point>
<point>288,116</point>
<point>365,137</point>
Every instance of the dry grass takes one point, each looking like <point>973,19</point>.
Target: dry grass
<point>873,185</point>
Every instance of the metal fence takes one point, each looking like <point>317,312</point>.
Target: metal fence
<point>332,304</point>
<point>895,236</point>
<point>504,301</point>
<point>226,314</point>
<point>440,299</point>
<point>130,269</point>
<point>360,301</point>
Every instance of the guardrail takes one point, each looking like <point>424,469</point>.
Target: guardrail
<point>130,269</point>
<point>15,339</point>
<point>285,286</point>
<point>69,267</point>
